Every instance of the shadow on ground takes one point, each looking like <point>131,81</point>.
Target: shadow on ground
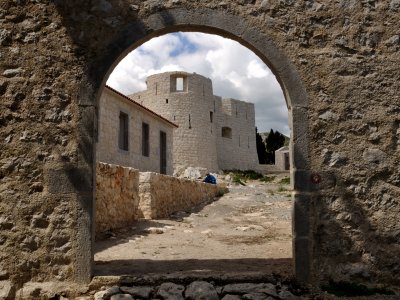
<point>281,266</point>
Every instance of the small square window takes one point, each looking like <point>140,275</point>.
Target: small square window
<point>227,132</point>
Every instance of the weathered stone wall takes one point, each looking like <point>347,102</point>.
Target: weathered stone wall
<point>117,197</point>
<point>337,62</point>
<point>239,151</point>
<point>161,195</point>
<point>111,104</point>
<point>124,195</point>
<point>195,138</point>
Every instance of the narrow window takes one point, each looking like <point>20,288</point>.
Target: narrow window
<point>246,114</point>
<point>214,106</point>
<point>174,118</point>
<point>156,88</point>
<point>203,91</point>
<point>211,116</point>
<point>123,136</point>
<point>239,140</point>
<point>145,139</point>
<point>163,152</point>
<point>179,84</point>
<point>248,142</point>
<point>166,101</point>
<point>190,123</point>
<point>236,111</point>
<point>227,132</point>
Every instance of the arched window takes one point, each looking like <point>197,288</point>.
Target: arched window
<point>227,132</point>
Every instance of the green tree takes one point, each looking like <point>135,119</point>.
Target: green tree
<point>261,150</point>
<point>274,141</point>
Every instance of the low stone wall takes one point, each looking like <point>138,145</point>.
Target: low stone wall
<point>266,169</point>
<point>124,195</point>
<point>117,196</point>
<point>161,195</point>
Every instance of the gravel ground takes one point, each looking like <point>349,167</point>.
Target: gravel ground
<point>246,230</point>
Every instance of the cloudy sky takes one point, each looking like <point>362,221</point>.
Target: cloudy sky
<point>235,71</point>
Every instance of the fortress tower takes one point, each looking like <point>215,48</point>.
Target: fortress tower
<point>213,133</point>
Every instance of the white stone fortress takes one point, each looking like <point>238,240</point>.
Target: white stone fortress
<point>213,133</point>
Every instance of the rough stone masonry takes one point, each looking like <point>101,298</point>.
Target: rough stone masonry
<point>337,62</point>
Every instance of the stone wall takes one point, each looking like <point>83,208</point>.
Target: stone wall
<point>337,63</point>
<point>195,138</point>
<point>117,197</point>
<point>239,151</point>
<point>124,195</point>
<point>111,104</point>
<point>162,195</point>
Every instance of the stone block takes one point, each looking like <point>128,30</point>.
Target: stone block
<point>301,180</point>
<point>117,196</point>
<point>302,215</point>
<point>312,181</point>
<point>171,291</point>
<point>87,94</point>
<point>87,120</point>
<point>86,151</point>
<point>302,259</point>
<point>299,123</point>
<point>138,291</point>
<point>201,290</point>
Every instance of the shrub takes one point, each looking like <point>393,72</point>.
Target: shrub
<point>252,175</point>
<point>237,179</point>
<point>285,180</point>
<point>245,175</point>
<point>282,189</point>
<point>220,192</point>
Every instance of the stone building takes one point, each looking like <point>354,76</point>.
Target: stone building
<point>213,133</point>
<point>282,158</point>
<point>131,135</point>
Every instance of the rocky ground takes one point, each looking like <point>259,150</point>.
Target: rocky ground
<point>245,230</point>
<point>199,290</point>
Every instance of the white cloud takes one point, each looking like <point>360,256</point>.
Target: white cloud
<point>236,72</point>
<point>256,70</point>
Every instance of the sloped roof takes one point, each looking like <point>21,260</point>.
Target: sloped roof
<point>141,106</point>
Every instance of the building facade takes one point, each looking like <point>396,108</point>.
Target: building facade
<point>133,136</point>
<point>213,133</point>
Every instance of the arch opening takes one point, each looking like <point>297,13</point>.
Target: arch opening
<point>291,87</point>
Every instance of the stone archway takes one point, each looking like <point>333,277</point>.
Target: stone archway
<point>57,55</point>
<point>230,26</point>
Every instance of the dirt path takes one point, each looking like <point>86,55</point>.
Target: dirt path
<point>246,230</point>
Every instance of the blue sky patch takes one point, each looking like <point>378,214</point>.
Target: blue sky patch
<point>188,47</point>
